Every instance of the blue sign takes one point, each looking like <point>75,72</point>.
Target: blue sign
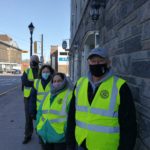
<point>63,59</point>
<point>64,44</point>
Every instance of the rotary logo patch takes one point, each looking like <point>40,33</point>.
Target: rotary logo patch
<point>104,94</point>
<point>59,101</point>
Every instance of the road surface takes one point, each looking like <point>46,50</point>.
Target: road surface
<point>12,116</point>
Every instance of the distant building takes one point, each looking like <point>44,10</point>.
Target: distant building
<point>63,61</point>
<point>10,54</point>
<point>59,59</point>
<point>54,57</point>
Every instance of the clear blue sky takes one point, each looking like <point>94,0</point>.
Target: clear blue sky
<point>50,18</point>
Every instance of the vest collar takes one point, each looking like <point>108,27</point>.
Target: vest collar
<point>105,77</point>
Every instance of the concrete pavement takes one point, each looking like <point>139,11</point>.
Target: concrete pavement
<point>12,122</point>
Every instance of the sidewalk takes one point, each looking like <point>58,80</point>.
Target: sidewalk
<point>12,123</point>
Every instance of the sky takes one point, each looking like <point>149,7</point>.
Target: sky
<point>49,17</point>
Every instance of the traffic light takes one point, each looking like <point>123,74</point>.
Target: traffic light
<point>35,46</point>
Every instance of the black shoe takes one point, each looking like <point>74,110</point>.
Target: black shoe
<point>26,140</point>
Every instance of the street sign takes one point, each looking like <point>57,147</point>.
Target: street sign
<point>64,44</point>
<point>35,47</point>
<point>63,59</point>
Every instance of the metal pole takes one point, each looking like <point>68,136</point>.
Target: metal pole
<point>31,41</point>
<point>42,48</point>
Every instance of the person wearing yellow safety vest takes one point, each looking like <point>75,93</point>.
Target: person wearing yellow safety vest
<point>52,114</point>
<point>40,89</point>
<point>102,113</point>
<point>28,77</point>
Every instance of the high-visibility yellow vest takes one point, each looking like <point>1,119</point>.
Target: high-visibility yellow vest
<point>41,92</point>
<point>98,123</point>
<point>27,90</point>
<point>51,125</point>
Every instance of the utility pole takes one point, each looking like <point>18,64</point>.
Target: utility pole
<point>42,59</point>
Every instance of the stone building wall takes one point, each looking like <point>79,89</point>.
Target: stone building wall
<point>124,27</point>
<point>126,34</point>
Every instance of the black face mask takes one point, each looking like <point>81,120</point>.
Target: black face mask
<point>98,69</point>
<point>33,64</point>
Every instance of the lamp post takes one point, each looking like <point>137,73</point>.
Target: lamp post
<point>31,28</point>
<point>95,6</point>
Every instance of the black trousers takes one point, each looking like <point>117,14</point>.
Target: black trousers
<point>54,146</point>
<point>28,120</point>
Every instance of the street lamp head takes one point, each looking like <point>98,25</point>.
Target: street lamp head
<point>31,27</point>
<point>94,13</point>
<point>95,6</point>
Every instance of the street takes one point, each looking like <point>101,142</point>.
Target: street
<point>12,116</point>
<point>8,82</point>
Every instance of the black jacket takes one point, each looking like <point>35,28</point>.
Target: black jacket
<point>127,119</point>
<point>32,101</point>
<point>25,81</point>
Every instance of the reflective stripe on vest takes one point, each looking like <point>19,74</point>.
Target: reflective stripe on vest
<point>55,114</point>
<point>78,86</point>
<point>28,87</point>
<point>110,112</point>
<point>41,95</point>
<point>96,128</point>
<point>55,120</point>
<point>97,123</point>
<point>63,111</point>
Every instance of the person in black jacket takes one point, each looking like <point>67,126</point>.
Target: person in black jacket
<point>99,73</point>
<point>28,77</point>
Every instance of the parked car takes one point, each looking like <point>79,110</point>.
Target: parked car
<point>15,71</point>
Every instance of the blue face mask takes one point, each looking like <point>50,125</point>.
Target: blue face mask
<point>45,75</point>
